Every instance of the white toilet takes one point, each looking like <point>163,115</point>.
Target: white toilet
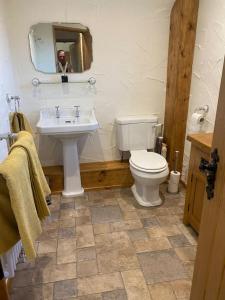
<point>137,135</point>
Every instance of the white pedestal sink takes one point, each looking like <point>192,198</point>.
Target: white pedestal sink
<point>68,129</point>
<point>72,182</point>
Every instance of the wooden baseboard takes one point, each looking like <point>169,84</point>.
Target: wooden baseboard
<point>94,176</point>
<point>55,178</point>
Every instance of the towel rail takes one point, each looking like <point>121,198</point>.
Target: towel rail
<point>36,81</point>
<point>9,138</point>
<point>16,100</point>
<point>8,260</point>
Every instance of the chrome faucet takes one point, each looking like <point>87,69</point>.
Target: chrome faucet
<point>57,112</point>
<point>77,111</point>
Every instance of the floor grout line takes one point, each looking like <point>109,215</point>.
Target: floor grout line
<point>125,231</point>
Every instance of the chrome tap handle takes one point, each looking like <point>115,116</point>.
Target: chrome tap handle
<point>17,103</point>
<point>77,112</point>
<point>57,113</point>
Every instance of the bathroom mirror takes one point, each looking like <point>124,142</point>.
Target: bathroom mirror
<point>60,47</point>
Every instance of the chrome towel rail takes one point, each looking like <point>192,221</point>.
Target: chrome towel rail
<point>9,138</point>
<point>36,81</point>
<point>16,100</point>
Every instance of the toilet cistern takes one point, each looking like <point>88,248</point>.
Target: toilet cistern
<point>68,128</point>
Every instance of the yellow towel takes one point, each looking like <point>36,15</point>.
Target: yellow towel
<point>19,122</point>
<point>38,181</point>
<point>18,214</point>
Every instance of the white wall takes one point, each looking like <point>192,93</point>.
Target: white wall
<point>64,46</point>
<point>208,64</point>
<point>130,46</point>
<point>6,79</point>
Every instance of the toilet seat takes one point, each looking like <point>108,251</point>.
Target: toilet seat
<point>149,162</point>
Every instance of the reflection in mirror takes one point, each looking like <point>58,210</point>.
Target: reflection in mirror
<point>60,47</point>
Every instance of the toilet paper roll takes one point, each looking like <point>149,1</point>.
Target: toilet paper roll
<point>197,120</point>
<point>174,180</point>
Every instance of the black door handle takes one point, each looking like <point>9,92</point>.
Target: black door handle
<point>210,169</point>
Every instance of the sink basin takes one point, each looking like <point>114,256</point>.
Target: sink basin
<point>67,123</point>
<point>68,129</point>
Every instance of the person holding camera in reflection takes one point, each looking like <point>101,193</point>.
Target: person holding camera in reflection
<point>63,66</point>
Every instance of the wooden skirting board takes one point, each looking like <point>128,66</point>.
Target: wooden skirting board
<point>94,176</point>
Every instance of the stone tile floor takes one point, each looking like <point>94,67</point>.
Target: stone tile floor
<point>104,246</point>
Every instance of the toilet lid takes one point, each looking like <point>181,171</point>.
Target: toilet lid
<point>148,161</point>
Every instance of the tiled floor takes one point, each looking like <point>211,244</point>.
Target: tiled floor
<point>105,246</point>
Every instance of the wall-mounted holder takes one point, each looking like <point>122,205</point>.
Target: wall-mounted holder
<point>36,81</point>
<point>16,100</point>
<point>198,118</point>
<point>202,109</point>
<point>64,78</point>
<point>10,138</point>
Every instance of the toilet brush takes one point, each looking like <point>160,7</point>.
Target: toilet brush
<point>173,186</point>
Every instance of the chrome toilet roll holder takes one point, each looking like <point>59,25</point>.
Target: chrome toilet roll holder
<point>202,109</point>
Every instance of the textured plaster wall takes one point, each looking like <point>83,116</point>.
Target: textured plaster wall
<point>6,78</point>
<point>208,64</point>
<point>130,46</point>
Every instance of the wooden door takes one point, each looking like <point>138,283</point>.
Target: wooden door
<point>209,273</point>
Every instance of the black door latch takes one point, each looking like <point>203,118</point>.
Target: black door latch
<point>210,168</point>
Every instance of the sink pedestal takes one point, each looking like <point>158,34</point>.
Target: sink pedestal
<point>68,128</point>
<point>72,181</point>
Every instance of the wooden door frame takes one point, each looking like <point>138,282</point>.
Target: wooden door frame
<point>209,272</point>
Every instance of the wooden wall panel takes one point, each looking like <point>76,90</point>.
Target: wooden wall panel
<point>103,175</point>
<point>55,178</point>
<point>94,176</point>
<point>179,72</point>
